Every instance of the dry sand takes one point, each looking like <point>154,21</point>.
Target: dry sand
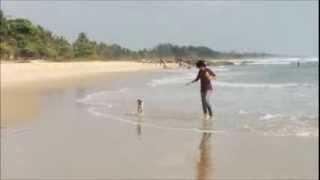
<point>13,74</point>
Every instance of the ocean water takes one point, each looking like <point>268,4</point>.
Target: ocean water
<point>271,97</point>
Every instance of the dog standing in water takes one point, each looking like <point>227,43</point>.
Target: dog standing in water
<point>139,116</point>
<point>139,107</point>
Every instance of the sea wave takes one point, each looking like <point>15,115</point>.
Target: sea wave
<point>281,125</point>
<point>267,128</point>
<point>132,121</point>
<point>221,69</point>
<point>259,85</point>
<point>182,80</point>
<point>280,61</point>
<point>269,116</point>
<point>293,131</point>
<point>102,98</point>
<point>310,59</point>
<point>268,124</point>
<point>166,81</point>
<point>243,112</point>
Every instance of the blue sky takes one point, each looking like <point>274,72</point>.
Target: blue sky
<point>281,27</point>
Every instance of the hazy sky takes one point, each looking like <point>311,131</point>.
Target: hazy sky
<point>281,27</point>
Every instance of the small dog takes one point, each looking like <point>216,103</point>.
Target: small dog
<point>139,106</point>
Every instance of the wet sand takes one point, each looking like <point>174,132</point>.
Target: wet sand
<point>54,137</point>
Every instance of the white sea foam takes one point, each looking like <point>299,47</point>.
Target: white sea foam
<point>99,98</point>
<point>283,60</point>
<point>284,126</point>
<point>271,124</point>
<point>272,128</point>
<point>262,62</point>
<point>182,80</point>
<point>258,85</point>
<point>269,116</point>
<point>243,112</point>
<point>291,132</point>
<point>310,59</point>
<point>184,77</point>
<point>187,77</point>
<point>305,134</point>
<point>221,69</point>
<point>95,112</point>
<point>166,81</point>
<point>274,61</point>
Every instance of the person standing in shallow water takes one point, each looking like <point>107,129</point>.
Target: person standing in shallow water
<point>205,75</point>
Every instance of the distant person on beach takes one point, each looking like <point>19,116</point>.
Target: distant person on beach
<point>179,62</point>
<point>163,63</point>
<point>205,75</point>
<point>298,63</point>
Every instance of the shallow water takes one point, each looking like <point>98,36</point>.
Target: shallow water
<point>269,99</point>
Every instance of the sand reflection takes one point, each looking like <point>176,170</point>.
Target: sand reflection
<point>139,126</point>
<point>204,164</point>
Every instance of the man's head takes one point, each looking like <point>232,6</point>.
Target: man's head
<point>201,64</point>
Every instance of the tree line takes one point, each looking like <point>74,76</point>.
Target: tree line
<point>21,39</point>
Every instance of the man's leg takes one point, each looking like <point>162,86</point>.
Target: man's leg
<point>203,101</point>
<point>207,101</point>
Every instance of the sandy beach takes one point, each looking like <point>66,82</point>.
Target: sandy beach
<point>47,132</point>
<point>14,74</point>
<point>22,82</point>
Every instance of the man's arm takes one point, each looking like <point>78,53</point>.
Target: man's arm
<point>195,80</point>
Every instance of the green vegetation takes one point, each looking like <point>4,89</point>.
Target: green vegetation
<point>20,39</point>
